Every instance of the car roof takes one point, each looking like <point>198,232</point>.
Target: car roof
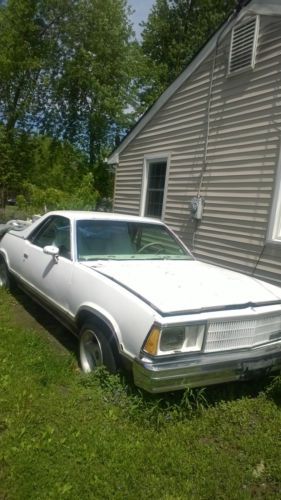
<point>91,215</point>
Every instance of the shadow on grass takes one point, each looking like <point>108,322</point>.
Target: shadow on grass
<point>33,315</point>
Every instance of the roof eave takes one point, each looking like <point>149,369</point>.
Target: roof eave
<point>242,9</point>
<point>198,59</point>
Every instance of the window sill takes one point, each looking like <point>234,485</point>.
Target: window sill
<point>274,241</point>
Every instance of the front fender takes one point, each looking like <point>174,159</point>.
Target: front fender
<point>104,316</point>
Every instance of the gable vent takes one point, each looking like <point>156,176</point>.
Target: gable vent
<point>243,46</point>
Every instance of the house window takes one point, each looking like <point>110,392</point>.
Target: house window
<point>154,188</point>
<point>243,46</point>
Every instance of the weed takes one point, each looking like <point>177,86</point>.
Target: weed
<point>67,435</point>
<point>273,391</point>
<point>143,407</point>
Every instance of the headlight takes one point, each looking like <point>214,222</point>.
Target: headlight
<point>173,339</point>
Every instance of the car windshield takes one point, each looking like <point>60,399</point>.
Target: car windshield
<point>123,240</point>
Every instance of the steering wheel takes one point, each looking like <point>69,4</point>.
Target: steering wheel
<point>152,244</point>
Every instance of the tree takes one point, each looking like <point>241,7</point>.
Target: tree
<point>15,157</point>
<point>66,70</point>
<point>174,33</point>
<point>91,84</point>
<point>57,176</point>
<point>29,41</point>
<point>27,51</point>
<point>7,172</point>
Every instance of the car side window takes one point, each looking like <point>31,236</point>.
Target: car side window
<point>54,231</point>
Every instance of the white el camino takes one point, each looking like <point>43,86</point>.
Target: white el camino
<point>131,291</point>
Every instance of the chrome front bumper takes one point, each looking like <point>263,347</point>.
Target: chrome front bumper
<point>178,372</point>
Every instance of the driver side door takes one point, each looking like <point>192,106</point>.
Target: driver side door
<point>50,277</point>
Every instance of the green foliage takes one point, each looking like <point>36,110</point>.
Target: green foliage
<point>65,83</point>
<point>7,171</point>
<point>67,78</point>
<point>14,155</point>
<point>85,196</point>
<point>73,80</point>
<point>274,390</point>
<point>153,410</point>
<point>175,31</point>
<point>49,174</point>
<point>99,437</point>
<point>54,174</point>
<point>29,41</point>
<point>91,91</point>
<point>36,199</point>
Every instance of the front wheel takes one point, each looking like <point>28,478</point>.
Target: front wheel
<point>95,350</point>
<point>5,281</point>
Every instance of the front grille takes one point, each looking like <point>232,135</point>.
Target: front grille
<point>227,335</point>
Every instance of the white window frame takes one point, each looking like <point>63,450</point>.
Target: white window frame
<point>274,230</point>
<point>254,48</point>
<point>148,159</point>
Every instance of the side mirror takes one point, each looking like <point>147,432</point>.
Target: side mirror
<point>53,251</point>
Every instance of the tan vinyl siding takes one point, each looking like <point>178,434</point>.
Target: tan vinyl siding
<point>243,152</point>
<point>242,157</point>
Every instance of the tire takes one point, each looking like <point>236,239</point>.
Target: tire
<point>5,281</point>
<point>95,350</point>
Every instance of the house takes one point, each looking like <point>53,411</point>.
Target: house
<point>206,157</point>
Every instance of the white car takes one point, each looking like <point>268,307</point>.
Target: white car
<point>131,290</point>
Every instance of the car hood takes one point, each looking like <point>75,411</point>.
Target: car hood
<point>172,287</point>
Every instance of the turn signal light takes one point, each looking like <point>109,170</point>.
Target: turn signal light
<point>152,341</point>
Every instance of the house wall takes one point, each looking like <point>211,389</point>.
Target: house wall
<point>243,148</point>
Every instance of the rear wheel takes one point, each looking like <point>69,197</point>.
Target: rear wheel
<point>95,349</point>
<point>5,281</point>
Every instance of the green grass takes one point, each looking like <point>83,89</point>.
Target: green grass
<point>64,435</point>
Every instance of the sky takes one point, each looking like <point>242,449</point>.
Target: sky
<point>142,9</point>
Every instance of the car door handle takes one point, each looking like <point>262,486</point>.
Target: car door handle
<point>25,255</point>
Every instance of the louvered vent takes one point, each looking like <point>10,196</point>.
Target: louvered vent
<point>243,46</point>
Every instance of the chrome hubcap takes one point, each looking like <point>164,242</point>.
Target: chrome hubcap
<point>90,351</point>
